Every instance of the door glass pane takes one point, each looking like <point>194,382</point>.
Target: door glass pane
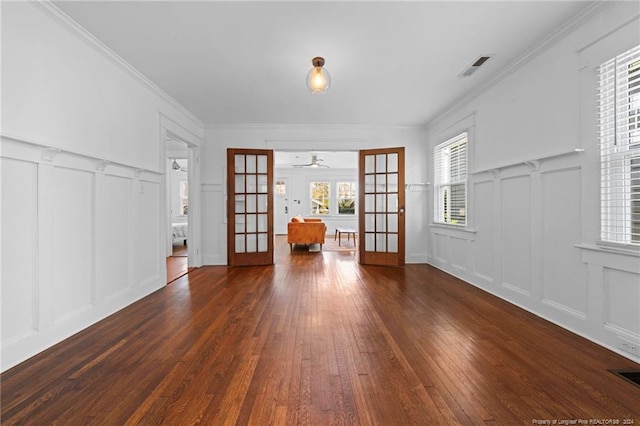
<point>251,223</point>
<point>381,163</point>
<point>251,163</point>
<point>239,184</point>
<point>392,242</point>
<point>240,243</point>
<point>240,203</point>
<point>262,223</point>
<point>369,163</point>
<point>251,183</point>
<point>381,183</point>
<point>392,182</point>
<point>262,164</point>
<point>240,224</point>
<point>392,163</point>
<point>381,203</point>
<point>392,223</point>
<point>262,185</point>
<point>239,163</point>
<point>381,223</point>
<point>369,242</point>
<point>262,203</point>
<point>251,203</point>
<point>392,202</point>
<point>381,242</point>
<point>369,223</point>
<point>369,203</point>
<point>262,243</point>
<point>370,183</point>
<point>252,243</point>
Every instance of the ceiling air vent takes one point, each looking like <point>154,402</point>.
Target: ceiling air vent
<point>474,66</point>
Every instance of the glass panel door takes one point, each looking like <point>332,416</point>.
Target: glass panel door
<point>249,210</point>
<point>381,210</point>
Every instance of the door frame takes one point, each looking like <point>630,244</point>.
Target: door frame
<point>173,130</point>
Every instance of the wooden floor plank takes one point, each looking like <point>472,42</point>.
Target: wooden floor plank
<point>320,339</point>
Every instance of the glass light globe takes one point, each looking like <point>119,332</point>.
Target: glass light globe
<point>318,78</point>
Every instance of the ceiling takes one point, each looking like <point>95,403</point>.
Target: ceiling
<point>392,63</point>
<point>331,159</point>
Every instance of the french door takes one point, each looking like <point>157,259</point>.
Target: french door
<point>249,207</point>
<point>381,212</point>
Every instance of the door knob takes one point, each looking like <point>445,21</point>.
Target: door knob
<point>401,210</point>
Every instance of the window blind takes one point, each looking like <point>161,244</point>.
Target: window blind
<point>450,181</point>
<point>619,134</point>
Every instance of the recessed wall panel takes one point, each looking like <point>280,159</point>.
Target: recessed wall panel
<point>145,231</point>
<point>622,299</point>
<point>565,280</point>
<point>516,232</point>
<point>72,247</point>
<point>19,209</point>
<point>483,250</point>
<point>113,236</point>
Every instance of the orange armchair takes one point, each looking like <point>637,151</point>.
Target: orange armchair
<point>306,231</point>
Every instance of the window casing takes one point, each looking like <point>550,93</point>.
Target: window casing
<point>619,135</point>
<point>450,181</point>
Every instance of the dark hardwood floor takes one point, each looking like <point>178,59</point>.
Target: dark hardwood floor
<point>319,339</point>
<point>177,263</point>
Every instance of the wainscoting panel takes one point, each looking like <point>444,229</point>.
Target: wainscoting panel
<point>113,235</point>
<point>72,278</point>
<point>564,273</point>
<point>145,230</point>
<point>483,211</point>
<point>80,240</point>
<point>622,300</point>
<point>441,246</point>
<point>19,219</point>
<point>459,254</point>
<point>516,234</point>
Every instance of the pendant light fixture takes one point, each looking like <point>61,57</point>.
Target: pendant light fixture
<point>318,78</point>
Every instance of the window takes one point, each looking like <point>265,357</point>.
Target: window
<point>346,197</point>
<point>281,187</point>
<point>320,198</point>
<point>450,181</point>
<point>619,134</point>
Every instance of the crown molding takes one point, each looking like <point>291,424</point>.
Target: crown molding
<point>283,126</point>
<point>62,19</point>
<point>595,8</point>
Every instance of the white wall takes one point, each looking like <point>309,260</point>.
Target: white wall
<point>309,138</point>
<point>82,168</point>
<point>533,201</point>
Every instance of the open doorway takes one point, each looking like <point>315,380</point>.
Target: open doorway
<point>177,165</point>
<point>320,185</point>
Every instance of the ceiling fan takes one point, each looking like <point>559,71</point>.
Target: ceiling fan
<point>315,162</point>
<point>177,167</point>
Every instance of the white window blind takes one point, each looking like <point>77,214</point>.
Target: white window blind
<point>619,133</point>
<point>450,181</point>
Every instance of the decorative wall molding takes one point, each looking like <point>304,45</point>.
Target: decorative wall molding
<point>533,164</point>
<point>53,155</point>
